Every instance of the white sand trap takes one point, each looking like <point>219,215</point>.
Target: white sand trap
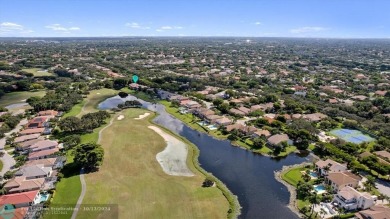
<point>97,93</point>
<point>120,117</point>
<point>142,116</point>
<point>173,158</point>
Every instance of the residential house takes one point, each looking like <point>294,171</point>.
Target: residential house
<point>236,112</point>
<point>38,122</point>
<point>374,212</point>
<point>340,180</point>
<point>224,121</point>
<point>19,200</point>
<point>32,131</point>
<point>324,167</point>
<point>34,171</point>
<point>42,154</point>
<point>315,117</point>
<point>212,118</point>
<point>383,154</point>
<point>43,145</point>
<point>350,199</point>
<point>203,112</point>
<point>381,93</point>
<point>48,162</point>
<point>21,184</point>
<point>23,146</point>
<point>245,110</point>
<point>261,132</point>
<point>50,113</point>
<point>279,138</point>
<point>25,138</point>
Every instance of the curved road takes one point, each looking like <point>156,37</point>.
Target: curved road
<point>8,160</point>
<point>82,179</point>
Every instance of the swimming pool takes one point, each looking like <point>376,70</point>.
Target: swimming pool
<point>212,127</point>
<point>313,174</point>
<point>42,197</point>
<point>319,189</point>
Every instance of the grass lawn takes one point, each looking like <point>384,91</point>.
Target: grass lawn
<point>293,176</point>
<point>132,178</point>
<point>76,109</point>
<point>67,190</point>
<point>37,72</point>
<point>94,98</point>
<point>1,165</point>
<point>19,97</point>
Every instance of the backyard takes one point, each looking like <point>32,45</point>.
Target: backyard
<point>131,177</point>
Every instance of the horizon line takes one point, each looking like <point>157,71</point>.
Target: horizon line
<point>211,36</point>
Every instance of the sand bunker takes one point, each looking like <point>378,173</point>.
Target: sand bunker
<point>142,116</point>
<point>173,158</point>
<point>120,117</point>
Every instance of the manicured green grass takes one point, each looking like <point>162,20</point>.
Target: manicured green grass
<point>1,165</point>
<point>132,178</point>
<point>19,97</point>
<point>76,109</point>
<point>293,176</point>
<point>192,120</point>
<point>67,190</point>
<point>37,72</point>
<point>90,103</point>
<point>94,98</point>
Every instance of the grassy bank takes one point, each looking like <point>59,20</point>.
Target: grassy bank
<point>131,177</point>
<point>192,121</point>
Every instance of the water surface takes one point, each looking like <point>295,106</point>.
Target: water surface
<point>248,175</point>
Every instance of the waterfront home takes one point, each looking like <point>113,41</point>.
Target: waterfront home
<point>203,112</point>
<point>34,171</point>
<point>19,200</point>
<point>261,132</point>
<point>212,118</point>
<point>340,180</point>
<point>374,212</point>
<point>324,167</point>
<point>21,184</point>
<point>350,199</point>
<point>224,121</point>
<point>279,138</point>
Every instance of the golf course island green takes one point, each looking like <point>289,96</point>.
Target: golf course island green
<point>132,178</point>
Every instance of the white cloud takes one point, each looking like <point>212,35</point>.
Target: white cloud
<point>60,28</point>
<point>163,28</point>
<point>307,30</point>
<point>257,23</point>
<point>136,25</point>
<point>13,29</point>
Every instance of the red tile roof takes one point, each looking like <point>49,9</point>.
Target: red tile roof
<point>18,198</point>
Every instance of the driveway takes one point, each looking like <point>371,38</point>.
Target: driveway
<point>383,187</point>
<point>8,160</point>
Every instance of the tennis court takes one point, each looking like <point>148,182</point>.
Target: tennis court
<point>353,136</point>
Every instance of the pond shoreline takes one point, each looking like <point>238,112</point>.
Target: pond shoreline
<point>292,205</point>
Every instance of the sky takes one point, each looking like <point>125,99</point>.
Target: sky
<point>247,18</point>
